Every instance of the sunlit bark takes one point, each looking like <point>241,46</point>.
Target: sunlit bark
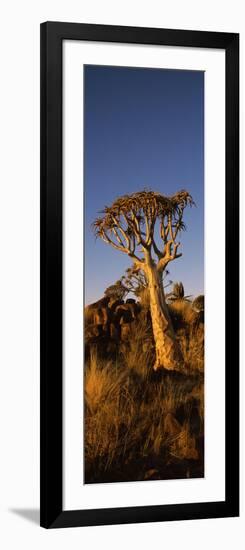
<point>168,354</point>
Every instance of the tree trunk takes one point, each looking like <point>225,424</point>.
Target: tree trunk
<point>168,353</point>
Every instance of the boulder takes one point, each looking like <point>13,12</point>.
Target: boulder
<point>125,331</point>
<point>114,331</point>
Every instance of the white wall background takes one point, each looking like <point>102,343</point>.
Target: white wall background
<point>19,272</point>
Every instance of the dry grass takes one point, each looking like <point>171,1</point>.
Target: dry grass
<point>190,334</point>
<point>137,425</point>
<point>140,424</point>
<point>137,351</point>
<point>104,389</point>
<point>181,311</point>
<point>102,383</point>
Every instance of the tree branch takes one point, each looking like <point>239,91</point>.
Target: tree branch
<point>169,255</point>
<point>136,228</point>
<point>170,226</point>
<point>147,230</point>
<point>117,236</point>
<point>107,240</point>
<point>123,233</point>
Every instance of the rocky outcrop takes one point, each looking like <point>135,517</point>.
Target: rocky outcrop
<point>108,321</point>
<point>97,313</point>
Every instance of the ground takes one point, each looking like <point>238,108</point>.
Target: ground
<point>141,424</point>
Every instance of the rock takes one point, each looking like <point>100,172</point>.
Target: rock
<point>97,313</point>
<point>111,348</point>
<point>114,331</point>
<point>92,331</point>
<point>125,331</point>
<point>198,304</point>
<point>123,314</point>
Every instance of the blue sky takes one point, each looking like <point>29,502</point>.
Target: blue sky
<point>143,128</point>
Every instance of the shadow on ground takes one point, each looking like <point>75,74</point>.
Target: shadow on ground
<point>31,514</point>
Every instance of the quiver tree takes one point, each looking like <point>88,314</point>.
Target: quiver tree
<point>134,281</point>
<point>117,291</point>
<point>145,226</point>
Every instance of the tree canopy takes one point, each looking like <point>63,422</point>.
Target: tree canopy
<point>130,225</point>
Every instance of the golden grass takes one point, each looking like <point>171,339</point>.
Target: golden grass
<point>190,334</point>
<point>181,310</point>
<point>102,383</point>
<point>130,419</point>
<point>137,351</point>
<point>140,424</point>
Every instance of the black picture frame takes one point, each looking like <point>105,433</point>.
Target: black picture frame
<point>52,35</point>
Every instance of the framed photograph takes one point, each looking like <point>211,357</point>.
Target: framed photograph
<point>139,274</point>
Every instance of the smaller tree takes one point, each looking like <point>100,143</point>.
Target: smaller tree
<point>117,291</point>
<point>135,282</point>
